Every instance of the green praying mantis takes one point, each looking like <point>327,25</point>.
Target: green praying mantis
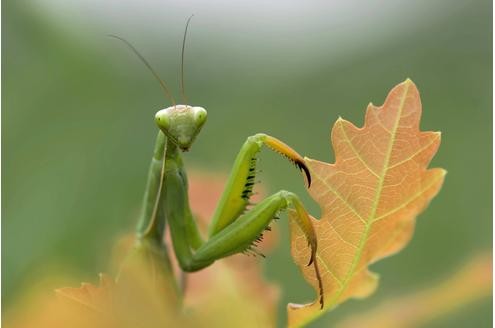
<point>237,224</point>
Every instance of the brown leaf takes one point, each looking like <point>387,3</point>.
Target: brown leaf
<point>369,198</point>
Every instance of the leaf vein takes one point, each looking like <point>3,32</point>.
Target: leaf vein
<point>415,154</point>
<point>407,202</point>
<point>345,201</point>
<point>358,156</point>
<point>368,222</point>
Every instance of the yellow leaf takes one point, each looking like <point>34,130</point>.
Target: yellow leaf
<point>369,198</point>
<point>90,296</point>
<point>232,292</point>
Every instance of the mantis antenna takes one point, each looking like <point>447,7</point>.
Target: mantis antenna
<point>182,90</point>
<point>168,95</point>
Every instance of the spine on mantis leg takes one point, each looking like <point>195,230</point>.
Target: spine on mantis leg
<point>235,197</point>
<point>152,220</point>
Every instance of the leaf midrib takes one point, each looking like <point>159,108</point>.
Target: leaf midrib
<point>369,221</point>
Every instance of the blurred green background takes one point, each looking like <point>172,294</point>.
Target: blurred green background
<point>78,126</point>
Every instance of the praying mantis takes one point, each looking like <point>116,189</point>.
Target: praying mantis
<point>237,223</point>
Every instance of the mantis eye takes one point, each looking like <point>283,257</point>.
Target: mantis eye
<point>162,119</point>
<point>199,115</point>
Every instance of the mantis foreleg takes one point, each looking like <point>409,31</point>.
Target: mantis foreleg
<point>240,234</point>
<point>153,215</point>
<point>152,220</point>
<point>239,186</point>
<point>234,229</point>
<point>236,237</point>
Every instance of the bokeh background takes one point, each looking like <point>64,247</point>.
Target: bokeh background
<point>78,128</point>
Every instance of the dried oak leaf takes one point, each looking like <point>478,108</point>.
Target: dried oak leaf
<point>369,199</point>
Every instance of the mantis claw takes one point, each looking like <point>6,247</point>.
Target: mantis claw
<point>290,153</point>
<point>313,254</point>
<point>312,260</point>
<point>305,224</point>
<point>302,167</point>
<point>320,284</point>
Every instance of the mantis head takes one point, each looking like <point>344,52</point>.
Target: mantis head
<point>181,123</point>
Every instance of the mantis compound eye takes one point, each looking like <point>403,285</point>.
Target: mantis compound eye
<point>199,114</point>
<point>162,120</point>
